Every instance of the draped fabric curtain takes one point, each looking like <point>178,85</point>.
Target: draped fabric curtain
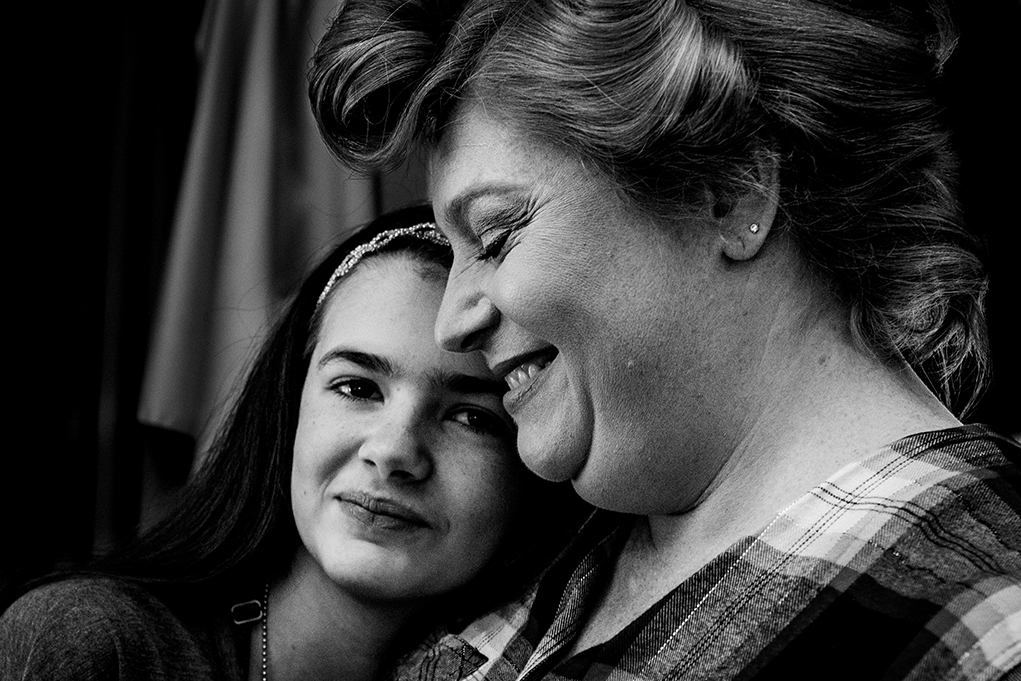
<point>260,200</point>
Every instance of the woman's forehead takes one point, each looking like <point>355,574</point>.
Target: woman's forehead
<point>479,150</point>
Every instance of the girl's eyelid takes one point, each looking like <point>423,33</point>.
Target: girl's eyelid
<point>500,426</point>
<point>342,386</point>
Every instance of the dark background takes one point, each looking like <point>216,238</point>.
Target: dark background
<point>102,105</point>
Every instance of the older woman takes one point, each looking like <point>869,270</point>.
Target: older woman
<point>713,247</point>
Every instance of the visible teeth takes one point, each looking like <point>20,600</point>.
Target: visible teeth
<point>526,372</point>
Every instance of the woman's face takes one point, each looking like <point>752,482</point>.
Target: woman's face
<point>606,327</point>
<point>404,476</point>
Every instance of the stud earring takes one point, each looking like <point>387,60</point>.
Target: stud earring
<point>753,228</point>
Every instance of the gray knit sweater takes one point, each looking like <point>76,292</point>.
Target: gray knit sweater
<point>103,628</point>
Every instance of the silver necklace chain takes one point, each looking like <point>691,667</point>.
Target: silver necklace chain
<point>265,634</point>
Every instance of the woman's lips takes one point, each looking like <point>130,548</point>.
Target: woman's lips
<point>378,512</point>
<point>523,377</point>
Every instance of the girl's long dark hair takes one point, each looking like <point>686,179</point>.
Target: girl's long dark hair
<point>233,527</point>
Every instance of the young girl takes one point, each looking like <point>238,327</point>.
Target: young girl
<point>365,488</point>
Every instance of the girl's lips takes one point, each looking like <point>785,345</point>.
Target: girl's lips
<point>379,512</point>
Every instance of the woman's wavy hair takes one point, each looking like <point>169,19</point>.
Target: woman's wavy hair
<point>674,101</point>
<point>234,529</point>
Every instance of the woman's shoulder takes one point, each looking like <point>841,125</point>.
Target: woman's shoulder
<point>967,448</point>
<point>938,470</point>
<point>941,493</point>
<point>967,477</point>
<point>97,627</point>
<point>915,551</point>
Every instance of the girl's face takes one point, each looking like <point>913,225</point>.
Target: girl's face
<point>405,476</point>
<point>610,331</point>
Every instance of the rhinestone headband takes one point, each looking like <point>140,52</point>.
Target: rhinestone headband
<point>426,231</point>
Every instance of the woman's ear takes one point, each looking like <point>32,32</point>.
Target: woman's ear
<point>745,223</point>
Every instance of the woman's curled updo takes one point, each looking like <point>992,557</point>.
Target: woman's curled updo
<point>678,103</point>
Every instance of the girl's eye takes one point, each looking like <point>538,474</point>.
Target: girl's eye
<point>482,422</point>
<point>357,389</point>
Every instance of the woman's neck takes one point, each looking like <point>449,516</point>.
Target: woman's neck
<point>816,404</point>
<point>795,401</point>
<point>319,630</point>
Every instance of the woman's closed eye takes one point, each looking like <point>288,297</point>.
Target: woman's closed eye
<point>358,389</point>
<point>497,228</point>
<point>494,247</point>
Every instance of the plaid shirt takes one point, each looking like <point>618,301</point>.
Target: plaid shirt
<point>906,565</point>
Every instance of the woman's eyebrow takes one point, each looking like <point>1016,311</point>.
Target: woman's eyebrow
<point>456,212</point>
<point>365,360</point>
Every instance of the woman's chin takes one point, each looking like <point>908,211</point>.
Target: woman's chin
<point>551,456</point>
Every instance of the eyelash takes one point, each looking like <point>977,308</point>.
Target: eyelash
<point>494,247</point>
<point>504,225</point>
<point>342,388</point>
<point>493,425</point>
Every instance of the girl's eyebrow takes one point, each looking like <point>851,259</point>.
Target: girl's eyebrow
<point>366,360</point>
<point>465,384</point>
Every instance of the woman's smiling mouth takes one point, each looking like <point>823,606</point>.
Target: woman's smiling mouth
<point>526,372</point>
<point>522,377</point>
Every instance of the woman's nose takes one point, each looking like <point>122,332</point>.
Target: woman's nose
<point>466,314</point>
<point>397,450</point>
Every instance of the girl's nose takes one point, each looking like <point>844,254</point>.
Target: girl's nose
<point>397,450</point>
<point>466,314</point>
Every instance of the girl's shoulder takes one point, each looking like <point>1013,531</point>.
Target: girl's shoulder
<point>99,627</point>
<point>77,605</point>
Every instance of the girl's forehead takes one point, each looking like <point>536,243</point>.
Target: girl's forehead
<point>382,290</point>
<point>388,309</point>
